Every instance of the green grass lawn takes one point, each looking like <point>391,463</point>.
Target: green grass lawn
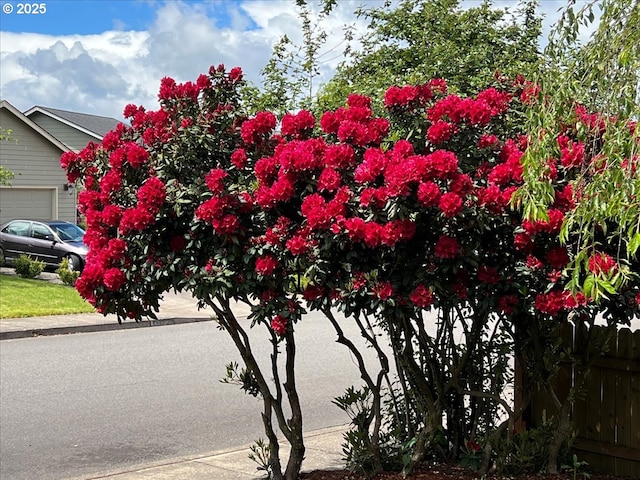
<point>21,297</point>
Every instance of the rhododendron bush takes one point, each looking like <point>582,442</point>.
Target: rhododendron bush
<point>404,223</point>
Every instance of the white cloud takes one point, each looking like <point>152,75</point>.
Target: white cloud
<point>101,73</point>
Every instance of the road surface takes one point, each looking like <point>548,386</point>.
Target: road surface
<point>85,403</point>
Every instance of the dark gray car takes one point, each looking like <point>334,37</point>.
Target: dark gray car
<point>49,241</point>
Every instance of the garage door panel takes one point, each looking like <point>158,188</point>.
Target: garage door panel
<point>26,203</point>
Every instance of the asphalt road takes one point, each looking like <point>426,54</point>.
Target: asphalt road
<point>79,404</point>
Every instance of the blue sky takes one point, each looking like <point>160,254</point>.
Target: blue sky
<point>96,56</point>
<point>65,17</point>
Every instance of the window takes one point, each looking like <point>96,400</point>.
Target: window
<point>18,228</point>
<point>40,231</point>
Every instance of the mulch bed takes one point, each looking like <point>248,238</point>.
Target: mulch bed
<point>449,472</point>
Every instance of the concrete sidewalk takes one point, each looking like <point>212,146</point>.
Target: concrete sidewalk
<point>323,453</point>
<point>323,446</point>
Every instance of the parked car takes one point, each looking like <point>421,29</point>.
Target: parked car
<point>48,241</point>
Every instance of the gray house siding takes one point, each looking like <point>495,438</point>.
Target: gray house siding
<point>70,136</point>
<point>39,183</point>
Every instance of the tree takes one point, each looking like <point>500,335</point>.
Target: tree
<point>5,175</point>
<point>288,77</point>
<point>597,84</point>
<point>339,213</point>
<point>416,41</point>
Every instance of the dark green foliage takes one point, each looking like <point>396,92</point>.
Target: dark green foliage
<point>27,267</point>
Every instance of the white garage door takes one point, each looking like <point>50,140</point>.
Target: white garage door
<point>27,203</point>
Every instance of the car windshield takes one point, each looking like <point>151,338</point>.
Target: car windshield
<point>68,232</point>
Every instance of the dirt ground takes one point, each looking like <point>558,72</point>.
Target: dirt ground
<point>449,472</point>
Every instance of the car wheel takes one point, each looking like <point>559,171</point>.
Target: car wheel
<point>75,264</point>
<point>1,257</point>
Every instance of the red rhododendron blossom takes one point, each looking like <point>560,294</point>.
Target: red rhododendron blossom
<point>428,194</point>
<point>372,234</point>
<point>152,194</point>
<point>401,97</point>
<point>339,156</point>
<point>329,180</point>
<point>488,141</point>
<point>257,128</point>
<point>359,281</point>
<point>523,242</point>
<point>492,199</point>
<point>497,101</point>
<point>214,180</point>
<point>235,74</point>
<point>478,112</point>
<point>135,219</point>
<point>298,125</point>
<point>447,247</point>
<point>239,158</point>
<point>421,296</point>
<point>330,122</point>
<point>488,275</point>
<point>450,204</point>
<point>534,263</point>
<point>114,278</point>
<point>449,107</point>
<point>279,324</point>
<point>565,199</point>
<point>314,209</point>
<point>373,164</point>
<point>571,153</point>
<point>441,131</point>
<point>266,169</point>
<point>357,100</point>
<point>353,132</point>
<point>461,184</point>
<point>552,225</point>
<point>555,301</point>
<point>377,131</point>
<point>112,215</point>
<point>383,290</point>
<point>551,303</point>
<point>211,209</point>
<point>228,224</point>
<point>116,249</point>
<point>111,182</point>
<point>442,163</point>
<point>136,155</point>
<point>602,264</point>
<point>358,114</point>
<point>266,265</point>
<point>297,245</point>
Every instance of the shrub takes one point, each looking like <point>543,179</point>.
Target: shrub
<point>27,267</point>
<point>67,275</point>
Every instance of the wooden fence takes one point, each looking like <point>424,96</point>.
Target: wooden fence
<point>607,415</point>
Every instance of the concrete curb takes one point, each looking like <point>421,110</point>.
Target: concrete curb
<point>101,327</point>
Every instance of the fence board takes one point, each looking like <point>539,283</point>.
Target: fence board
<point>607,415</point>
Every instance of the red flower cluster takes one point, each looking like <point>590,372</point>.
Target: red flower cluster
<point>602,264</point>
<point>266,265</point>
<point>255,130</point>
<point>299,125</point>
<point>279,325</point>
<point>558,300</point>
<point>421,296</point>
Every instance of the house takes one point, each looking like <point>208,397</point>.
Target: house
<point>40,135</point>
<point>73,129</point>
<point>39,188</point>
